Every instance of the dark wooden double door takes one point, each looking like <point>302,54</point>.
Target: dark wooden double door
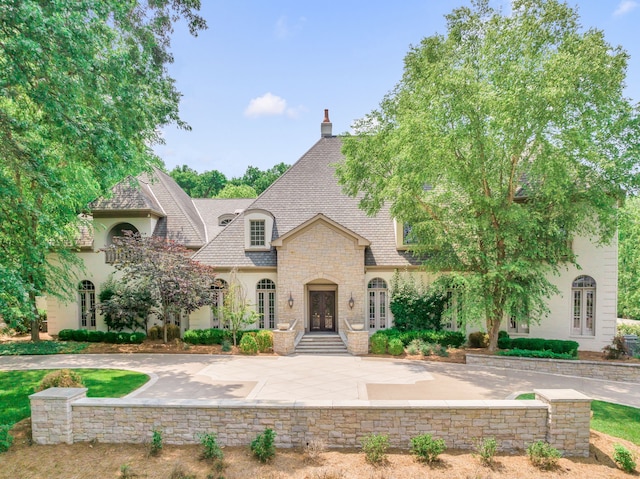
<point>322,310</point>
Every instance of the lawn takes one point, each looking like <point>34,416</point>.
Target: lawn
<point>612,419</point>
<point>16,348</point>
<point>16,386</point>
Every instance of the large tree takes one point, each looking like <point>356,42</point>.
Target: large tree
<point>83,91</point>
<point>629,260</point>
<point>505,139</point>
<point>198,185</point>
<point>177,283</point>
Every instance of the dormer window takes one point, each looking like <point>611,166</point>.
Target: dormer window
<point>224,220</point>
<point>256,234</point>
<point>258,228</point>
<point>405,237</point>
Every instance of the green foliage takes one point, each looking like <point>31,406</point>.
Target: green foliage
<point>126,472</point>
<point>527,353</point>
<point>248,345</point>
<point>237,313</point>
<point>621,456</point>
<point>264,339</point>
<point>6,439</point>
<point>478,339</point>
<point>237,191</point>
<point>616,420</point>
<point>451,339</point>
<point>538,344</point>
<point>414,346</point>
<point>80,335</point>
<point>379,343</point>
<point>395,347</point>
<point>617,349</point>
<point>95,336</point>
<point>126,305</point>
<point>206,336</point>
<point>427,449</point>
<point>64,378</point>
<point>375,448</point>
<point>65,335</point>
<point>210,447</point>
<point>198,185</point>
<point>415,307</point>
<point>111,337</point>
<point>625,328</point>
<point>263,446</point>
<point>172,332</point>
<point>155,446</point>
<point>498,147</point>
<point>486,450</point>
<point>226,346</point>
<point>543,455</point>
<point>137,338</point>
<point>155,332</point>
<point>629,260</point>
<point>19,348</point>
<point>427,349</point>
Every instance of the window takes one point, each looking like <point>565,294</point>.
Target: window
<point>378,295</point>
<point>87,300</point>
<point>583,314</point>
<point>266,304</point>
<point>224,220</point>
<point>517,327</point>
<point>117,231</point>
<point>407,237</point>
<point>452,307</point>
<point>218,291</point>
<point>256,233</point>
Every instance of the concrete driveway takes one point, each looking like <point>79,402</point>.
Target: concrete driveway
<point>322,377</point>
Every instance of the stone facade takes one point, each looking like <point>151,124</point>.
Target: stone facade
<point>612,371</point>
<point>284,342</point>
<point>51,415</point>
<point>560,417</point>
<point>358,342</point>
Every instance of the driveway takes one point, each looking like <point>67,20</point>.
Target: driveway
<point>308,377</point>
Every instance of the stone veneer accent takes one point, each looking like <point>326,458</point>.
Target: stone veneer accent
<point>284,342</point>
<point>612,371</point>
<point>561,417</point>
<point>358,342</point>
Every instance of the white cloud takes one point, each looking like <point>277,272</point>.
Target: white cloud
<point>284,29</point>
<point>625,7</point>
<point>271,105</point>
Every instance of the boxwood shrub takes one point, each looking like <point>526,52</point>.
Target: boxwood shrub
<point>65,335</point>
<point>95,336</point>
<point>557,346</point>
<point>137,338</point>
<point>80,335</point>
<point>379,344</point>
<point>395,347</point>
<point>526,353</point>
<point>450,339</point>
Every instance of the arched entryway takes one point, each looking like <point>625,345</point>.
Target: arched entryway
<point>322,311</point>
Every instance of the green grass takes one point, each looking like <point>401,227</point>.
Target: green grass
<point>612,419</point>
<point>18,348</point>
<point>16,386</point>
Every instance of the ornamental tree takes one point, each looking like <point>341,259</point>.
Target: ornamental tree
<point>176,282</point>
<point>84,90</point>
<point>506,138</point>
<point>236,309</point>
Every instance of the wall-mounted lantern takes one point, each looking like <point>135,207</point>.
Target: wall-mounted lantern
<point>290,300</point>
<point>351,302</point>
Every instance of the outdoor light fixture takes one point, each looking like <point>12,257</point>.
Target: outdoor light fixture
<point>290,300</point>
<point>351,302</point>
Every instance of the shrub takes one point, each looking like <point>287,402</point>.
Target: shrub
<point>451,339</point>
<point>264,339</point>
<point>126,472</point>
<point>426,448</point>
<point>538,344</point>
<point>427,349</point>
<point>415,306</point>
<point>248,345</point>
<point>415,346</point>
<point>155,446</point>
<point>179,471</point>
<point>6,439</point>
<point>378,344</point>
<point>617,349</point>
<point>210,447</point>
<point>543,455</point>
<point>95,336</point>
<point>263,446</point>
<point>155,332</point>
<point>478,340</point>
<point>375,448</point>
<point>504,343</point>
<point>173,332</point>
<point>395,347</point>
<point>314,449</point>
<point>123,338</point>
<point>441,351</point>
<point>65,335</point>
<point>627,328</point>
<point>502,334</point>
<point>64,378</point>
<point>192,336</point>
<point>486,450</point>
<point>137,338</point>
<point>80,335</point>
<point>213,336</point>
<point>111,337</point>
<point>623,458</point>
<point>525,353</point>
<point>226,345</point>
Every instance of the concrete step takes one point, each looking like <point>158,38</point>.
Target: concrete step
<point>321,343</point>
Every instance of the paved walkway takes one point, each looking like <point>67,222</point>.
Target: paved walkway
<point>323,377</point>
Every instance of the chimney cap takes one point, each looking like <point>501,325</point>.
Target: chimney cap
<point>326,116</point>
<point>326,126</point>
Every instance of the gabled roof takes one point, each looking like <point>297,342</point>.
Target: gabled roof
<point>307,189</point>
<point>321,218</point>
<point>211,209</point>
<point>130,195</point>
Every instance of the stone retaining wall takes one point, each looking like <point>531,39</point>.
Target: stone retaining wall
<point>558,416</point>
<point>613,371</point>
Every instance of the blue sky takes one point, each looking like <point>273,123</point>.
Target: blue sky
<point>256,83</point>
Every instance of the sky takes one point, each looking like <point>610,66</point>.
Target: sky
<point>255,83</point>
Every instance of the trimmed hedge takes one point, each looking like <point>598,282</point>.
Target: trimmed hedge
<point>526,353</point>
<point>85,335</point>
<point>379,344</point>
<point>450,339</point>
<point>556,346</point>
<point>214,336</point>
<point>65,335</point>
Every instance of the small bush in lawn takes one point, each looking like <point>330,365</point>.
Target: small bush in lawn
<point>478,340</point>
<point>210,447</point>
<point>64,378</point>
<point>264,339</point>
<point>375,448</point>
<point>426,448</point>
<point>248,344</point>
<point>395,347</point>
<point>65,335</point>
<point>486,450</point>
<point>543,455</point>
<point>623,458</point>
<point>155,446</point>
<point>6,439</point>
<point>126,472</point>
<point>314,449</point>
<point>378,344</point>
<point>263,446</point>
<point>427,349</point>
<point>414,346</point>
<point>226,345</point>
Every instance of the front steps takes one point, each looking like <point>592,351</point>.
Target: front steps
<point>321,343</point>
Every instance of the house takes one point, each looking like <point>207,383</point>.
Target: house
<point>307,255</point>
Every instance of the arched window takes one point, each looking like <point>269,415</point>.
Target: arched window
<point>118,230</point>
<point>378,296</point>
<point>583,310</point>
<point>87,303</point>
<point>218,291</point>
<point>266,303</point>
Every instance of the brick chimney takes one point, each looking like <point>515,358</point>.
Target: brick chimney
<point>325,126</point>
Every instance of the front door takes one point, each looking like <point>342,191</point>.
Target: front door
<point>322,310</point>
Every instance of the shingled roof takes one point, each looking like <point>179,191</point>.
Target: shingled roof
<point>308,188</point>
